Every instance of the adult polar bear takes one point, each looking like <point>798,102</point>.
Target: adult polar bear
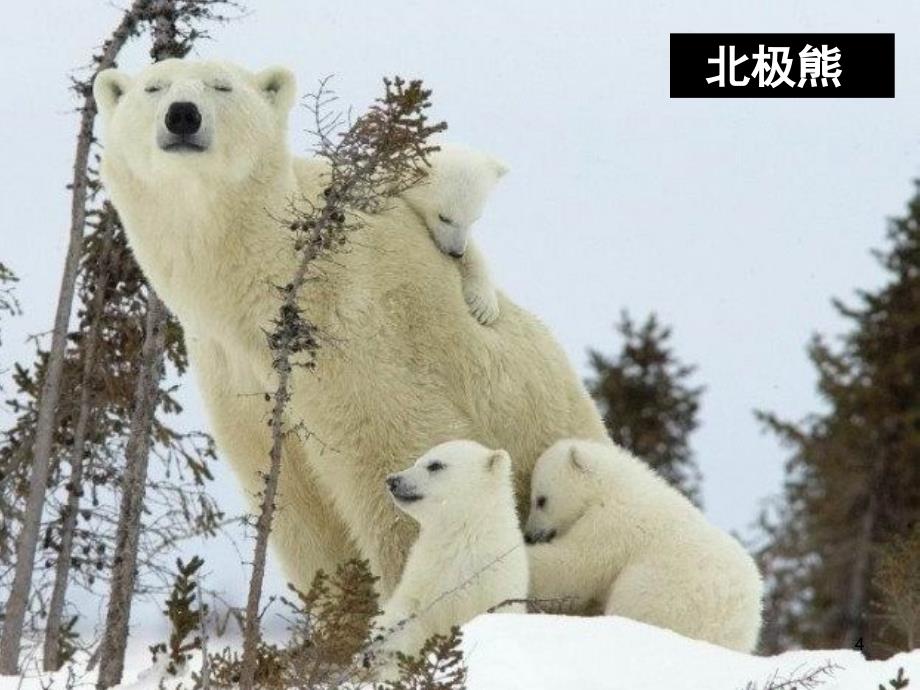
<point>197,164</point>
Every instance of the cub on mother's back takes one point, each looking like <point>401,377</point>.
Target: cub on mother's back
<point>450,199</point>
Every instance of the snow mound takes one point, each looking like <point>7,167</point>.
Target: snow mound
<point>520,652</point>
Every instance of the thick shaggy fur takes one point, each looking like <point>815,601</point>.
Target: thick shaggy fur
<point>469,556</point>
<point>403,365</point>
<point>622,539</point>
<point>449,201</point>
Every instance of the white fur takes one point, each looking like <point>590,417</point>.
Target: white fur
<point>450,200</point>
<point>469,556</point>
<point>402,366</point>
<point>624,540</point>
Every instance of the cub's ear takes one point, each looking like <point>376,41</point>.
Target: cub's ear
<point>279,87</point>
<point>498,460</point>
<point>108,88</point>
<point>501,169</point>
<point>577,462</point>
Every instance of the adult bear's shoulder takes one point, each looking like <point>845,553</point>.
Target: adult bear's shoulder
<point>312,176</point>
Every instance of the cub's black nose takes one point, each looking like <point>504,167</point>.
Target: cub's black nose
<point>392,482</point>
<point>183,118</point>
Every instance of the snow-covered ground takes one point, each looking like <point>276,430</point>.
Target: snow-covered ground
<point>518,652</point>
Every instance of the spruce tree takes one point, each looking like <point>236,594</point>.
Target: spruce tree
<point>9,306</point>
<point>853,478</point>
<point>648,404</point>
<point>186,613</point>
<point>69,524</point>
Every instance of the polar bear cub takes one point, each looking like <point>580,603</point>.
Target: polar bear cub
<point>449,200</point>
<point>470,554</point>
<point>608,532</point>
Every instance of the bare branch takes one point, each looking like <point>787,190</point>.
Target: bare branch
<point>382,153</point>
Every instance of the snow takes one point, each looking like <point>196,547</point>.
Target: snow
<point>511,652</point>
<point>520,652</point>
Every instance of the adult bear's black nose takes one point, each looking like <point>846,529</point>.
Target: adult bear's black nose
<point>183,118</point>
<point>393,482</point>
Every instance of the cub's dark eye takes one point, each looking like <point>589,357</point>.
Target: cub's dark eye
<point>223,88</point>
<point>435,466</point>
<point>153,88</point>
<point>445,219</point>
<point>541,502</point>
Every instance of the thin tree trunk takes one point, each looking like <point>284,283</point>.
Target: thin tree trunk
<point>289,336</point>
<point>118,617</point>
<point>17,604</point>
<point>251,632</point>
<point>137,455</point>
<point>282,364</point>
<point>51,657</point>
<point>858,589</point>
<point>164,31</point>
<point>205,677</point>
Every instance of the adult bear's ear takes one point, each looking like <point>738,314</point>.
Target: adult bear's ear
<point>576,461</point>
<point>498,460</point>
<point>279,87</point>
<point>108,88</point>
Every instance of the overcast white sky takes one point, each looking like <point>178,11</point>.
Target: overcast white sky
<point>735,220</point>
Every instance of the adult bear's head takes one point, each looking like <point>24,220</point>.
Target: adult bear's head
<point>179,119</point>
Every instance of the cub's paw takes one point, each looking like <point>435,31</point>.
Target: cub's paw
<point>483,305</point>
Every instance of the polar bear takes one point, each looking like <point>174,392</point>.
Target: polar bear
<point>197,163</point>
<point>450,200</point>
<point>606,530</point>
<point>469,556</point>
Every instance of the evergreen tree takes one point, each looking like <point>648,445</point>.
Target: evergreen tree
<point>186,613</point>
<point>8,303</point>
<point>853,479</point>
<point>68,517</point>
<point>647,402</point>
<point>897,581</point>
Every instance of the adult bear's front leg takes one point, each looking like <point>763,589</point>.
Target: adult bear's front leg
<point>357,484</point>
